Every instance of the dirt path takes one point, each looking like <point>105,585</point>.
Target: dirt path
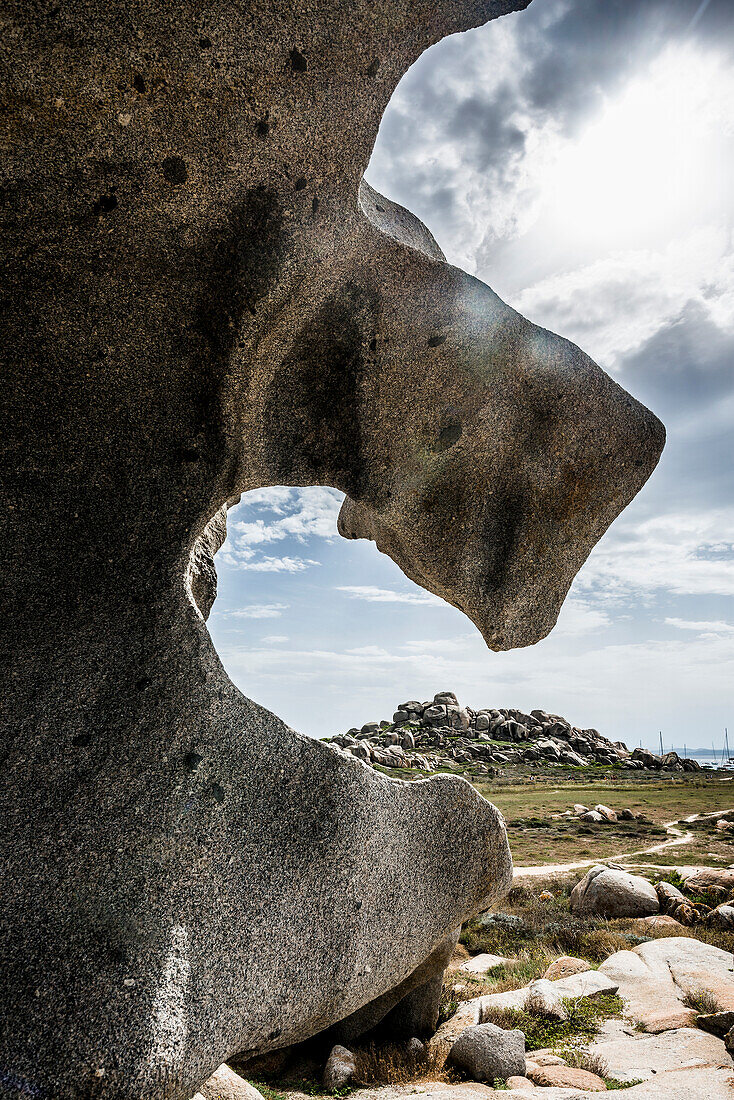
<point>677,838</point>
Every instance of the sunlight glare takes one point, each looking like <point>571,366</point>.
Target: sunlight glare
<point>656,157</point>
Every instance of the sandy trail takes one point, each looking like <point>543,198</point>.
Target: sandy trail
<point>677,838</point>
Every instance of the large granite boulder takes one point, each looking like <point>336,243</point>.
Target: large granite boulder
<point>205,299</point>
<point>487,1052</point>
<point>612,892</point>
<point>657,978</point>
<point>633,1056</point>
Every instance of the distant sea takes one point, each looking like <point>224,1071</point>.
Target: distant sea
<point>714,762</point>
<point>703,756</point>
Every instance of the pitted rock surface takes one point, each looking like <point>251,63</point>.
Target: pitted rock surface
<point>207,301</point>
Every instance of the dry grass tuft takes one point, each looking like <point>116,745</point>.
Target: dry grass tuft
<point>395,1064</point>
<point>603,942</point>
<point>580,1058</point>
<point>701,1001</point>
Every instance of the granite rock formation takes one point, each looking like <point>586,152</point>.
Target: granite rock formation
<point>201,299</point>
<point>441,733</point>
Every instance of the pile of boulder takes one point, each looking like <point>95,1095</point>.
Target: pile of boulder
<point>430,735</point>
<point>603,815</point>
<point>610,891</point>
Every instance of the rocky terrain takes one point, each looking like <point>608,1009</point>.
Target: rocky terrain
<point>433,735</point>
<point>571,989</point>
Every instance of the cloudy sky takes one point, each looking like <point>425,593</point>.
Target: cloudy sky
<point>578,158</point>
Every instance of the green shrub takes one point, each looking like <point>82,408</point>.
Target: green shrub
<point>584,1019</point>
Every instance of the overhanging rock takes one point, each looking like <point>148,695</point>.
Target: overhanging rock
<point>204,302</point>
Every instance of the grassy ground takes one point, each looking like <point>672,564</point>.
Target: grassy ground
<point>659,799</point>
<point>535,838</point>
<point>544,840</point>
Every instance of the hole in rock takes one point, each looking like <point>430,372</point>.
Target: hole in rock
<point>326,632</point>
<point>299,64</point>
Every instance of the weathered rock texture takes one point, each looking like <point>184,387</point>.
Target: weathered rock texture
<point>656,978</point>
<point>488,1052</point>
<point>202,300</point>
<point>612,892</point>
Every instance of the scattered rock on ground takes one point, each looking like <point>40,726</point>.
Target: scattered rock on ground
<point>225,1084</point>
<point>722,917</point>
<point>659,922</point>
<point>711,878</point>
<point>545,1058</point>
<point>611,892</point>
<point>565,967</point>
<point>543,1000</point>
<point>568,1077</point>
<point>480,964</point>
<point>717,1023</point>
<point>676,905</point>
<point>468,1014</point>
<point>591,983</point>
<point>339,1069</point>
<point>488,1052</point>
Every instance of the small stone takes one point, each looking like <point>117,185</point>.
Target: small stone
<point>564,967</point>
<point>488,1052</point>
<point>544,1058</point>
<point>722,918</point>
<point>519,1083</point>
<point>717,1023</point>
<point>339,1069</point>
<point>225,1084</point>
<point>568,1077</point>
<point>658,922</point>
<point>480,964</point>
<point>543,1000</point>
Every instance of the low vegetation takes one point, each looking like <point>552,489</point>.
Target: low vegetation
<point>536,926</point>
<point>395,1064</point>
<point>536,837</point>
<point>585,1017</point>
<point>581,1058</point>
<point>702,1001</point>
